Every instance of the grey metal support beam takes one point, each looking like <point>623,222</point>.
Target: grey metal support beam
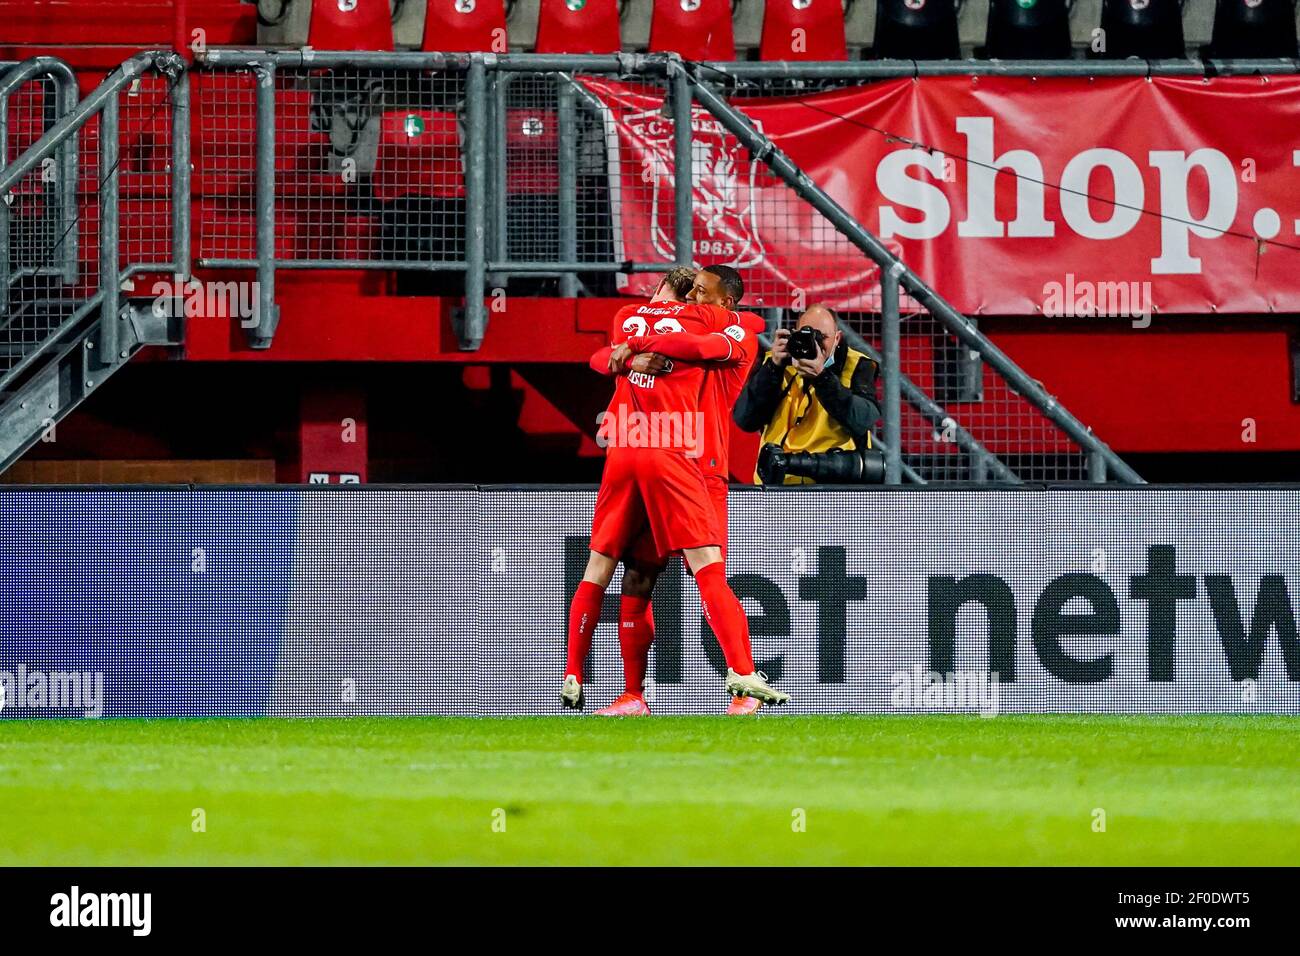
<point>683,168</point>
<point>474,323</point>
<point>905,470</point>
<point>890,337</point>
<point>658,63</point>
<point>181,171</point>
<point>616,63</point>
<point>268,316</point>
<point>937,415</point>
<point>1096,468</point>
<point>110,283</point>
<point>69,157</point>
<point>765,151</point>
<point>499,87</point>
<point>568,182</point>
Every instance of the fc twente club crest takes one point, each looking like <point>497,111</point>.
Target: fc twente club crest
<point>723,194</point>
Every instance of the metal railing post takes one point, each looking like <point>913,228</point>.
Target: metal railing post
<point>4,210</point>
<point>1096,468</point>
<point>267,313</point>
<point>181,175</point>
<point>497,162</point>
<point>890,349</point>
<point>474,323</point>
<point>68,157</point>
<point>109,280</point>
<point>683,167</point>
<point>61,193</point>
<point>568,182</point>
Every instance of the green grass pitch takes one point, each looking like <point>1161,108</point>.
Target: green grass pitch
<point>872,790</point>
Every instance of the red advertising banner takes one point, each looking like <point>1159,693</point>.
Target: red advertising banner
<point>1007,195</point>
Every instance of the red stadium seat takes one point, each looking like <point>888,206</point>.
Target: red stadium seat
<point>419,154</point>
<point>575,26</point>
<point>532,141</point>
<point>821,23</point>
<point>465,26</point>
<point>696,29</point>
<point>350,25</point>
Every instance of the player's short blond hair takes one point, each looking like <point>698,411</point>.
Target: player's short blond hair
<point>681,280</point>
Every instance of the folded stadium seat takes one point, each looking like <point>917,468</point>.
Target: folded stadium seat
<point>532,183</point>
<point>1246,29</point>
<point>350,25</point>
<point>1152,29</point>
<point>532,144</point>
<point>695,29</point>
<point>419,154</point>
<point>916,30</point>
<point>465,26</point>
<point>419,178</point>
<point>822,23</point>
<point>577,26</point>
<point>1028,30</point>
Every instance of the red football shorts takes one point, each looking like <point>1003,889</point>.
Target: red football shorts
<point>653,502</point>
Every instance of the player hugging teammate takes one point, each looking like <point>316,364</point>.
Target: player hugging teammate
<point>678,360</point>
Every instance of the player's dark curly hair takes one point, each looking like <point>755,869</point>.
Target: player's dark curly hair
<point>732,284</point>
<point>681,280</point>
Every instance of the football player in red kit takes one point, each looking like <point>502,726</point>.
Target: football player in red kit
<point>669,432</point>
<point>720,287</point>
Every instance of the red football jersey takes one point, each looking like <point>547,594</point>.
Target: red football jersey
<point>697,395</point>
<point>622,399</point>
<point>723,382</point>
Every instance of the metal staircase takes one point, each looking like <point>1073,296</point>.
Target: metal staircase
<point>66,320</point>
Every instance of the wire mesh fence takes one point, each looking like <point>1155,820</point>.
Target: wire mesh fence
<point>368,166</point>
<point>371,171</point>
<point>50,262</point>
<point>145,175</point>
<point>51,257</point>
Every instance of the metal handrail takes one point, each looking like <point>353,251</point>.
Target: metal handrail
<point>650,63</point>
<point>65,184</point>
<point>61,137</point>
<point>893,269</point>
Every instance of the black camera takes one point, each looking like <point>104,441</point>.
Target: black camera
<point>835,467</point>
<point>804,342</point>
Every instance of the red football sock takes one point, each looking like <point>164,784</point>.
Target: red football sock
<point>636,630</point>
<point>584,615</point>
<point>726,616</point>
